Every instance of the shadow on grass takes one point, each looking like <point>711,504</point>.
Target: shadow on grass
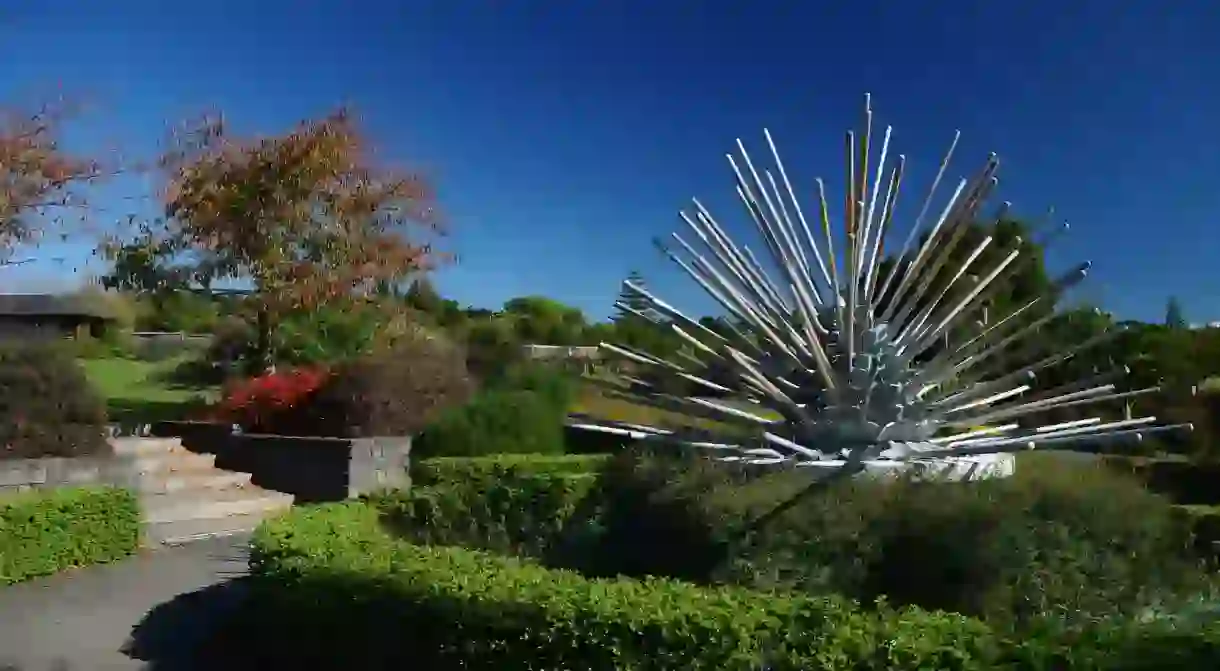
<point>195,374</point>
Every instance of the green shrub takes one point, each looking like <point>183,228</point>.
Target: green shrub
<point>232,345</point>
<point>46,532</point>
<point>47,406</point>
<point>553,383</point>
<point>1204,523</point>
<point>396,392</point>
<point>495,422</point>
<point>113,345</point>
<point>1057,537</point>
<point>327,335</point>
<point>332,590</point>
<point>1186,482</point>
<point>524,516</point>
<point>472,471</point>
<point>330,587</point>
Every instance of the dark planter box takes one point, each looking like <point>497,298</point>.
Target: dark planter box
<point>312,469</point>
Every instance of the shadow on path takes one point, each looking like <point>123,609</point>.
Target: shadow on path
<point>162,609</point>
<point>188,632</point>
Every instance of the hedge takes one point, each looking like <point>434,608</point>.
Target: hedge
<point>331,588</point>
<point>466,471</point>
<point>46,532</point>
<point>518,516</point>
<point>1186,482</point>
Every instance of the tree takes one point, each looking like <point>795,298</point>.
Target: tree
<point>542,321</point>
<point>305,217</point>
<point>635,300</point>
<point>36,175</point>
<point>423,296</point>
<point>1174,318</point>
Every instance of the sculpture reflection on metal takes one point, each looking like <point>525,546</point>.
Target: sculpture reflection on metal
<point>854,371</point>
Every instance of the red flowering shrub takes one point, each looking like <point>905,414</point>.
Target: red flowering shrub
<point>268,403</point>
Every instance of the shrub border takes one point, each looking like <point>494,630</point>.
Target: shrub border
<point>462,471</point>
<point>331,587</point>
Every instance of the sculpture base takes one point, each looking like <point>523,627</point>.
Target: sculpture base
<point>954,469</point>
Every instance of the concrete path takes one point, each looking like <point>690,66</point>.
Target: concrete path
<point>152,611</point>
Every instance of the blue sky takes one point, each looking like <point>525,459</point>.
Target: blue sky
<point>563,136</point>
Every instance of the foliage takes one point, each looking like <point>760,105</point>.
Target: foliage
<point>474,471</point>
<point>423,296</point>
<point>492,346</point>
<point>511,503</point>
<point>47,406</point>
<point>324,336</point>
<point>331,588</point>
<point>1183,481</point>
<point>1174,318</point>
<point>305,217</point>
<point>137,265</point>
<point>543,321</point>
<point>495,422</point>
<point>1204,522</point>
<point>554,384</point>
<point>36,173</point>
<point>182,312</point>
<point>272,402</point>
<point>523,516</point>
<point>229,351</point>
<point>337,332</point>
<point>46,532</point>
<point>464,607</point>
<point>395,392</point>
<point>1056,538</point>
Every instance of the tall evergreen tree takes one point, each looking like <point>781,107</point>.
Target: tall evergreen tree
<point>1174,318</point>
<point>634,300</point>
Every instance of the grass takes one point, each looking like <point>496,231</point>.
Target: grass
<point>604,404</point>
<point>141,392</point>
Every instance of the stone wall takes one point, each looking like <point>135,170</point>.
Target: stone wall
<point>311,469</point>
<point>50,472</point>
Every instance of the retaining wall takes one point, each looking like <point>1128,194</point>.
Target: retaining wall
<point>311,469</point>
<point>51,472</point>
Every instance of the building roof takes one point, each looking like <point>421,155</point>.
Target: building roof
<point>51,305</point>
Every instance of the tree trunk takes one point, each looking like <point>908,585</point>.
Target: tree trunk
<point>264,360</point>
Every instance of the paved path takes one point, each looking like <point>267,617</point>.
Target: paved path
<point>151,611</point>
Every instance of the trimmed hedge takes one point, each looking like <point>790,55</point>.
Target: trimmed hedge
<point>515,515</point>
<point>464,471</point>
<point>331,589</point>
<point>46,532</point>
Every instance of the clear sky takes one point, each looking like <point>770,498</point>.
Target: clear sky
<point>564,135</point>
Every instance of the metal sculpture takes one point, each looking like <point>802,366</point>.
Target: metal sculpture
<point>853,371</point>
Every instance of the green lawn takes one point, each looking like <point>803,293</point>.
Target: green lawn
<point>139,392</point>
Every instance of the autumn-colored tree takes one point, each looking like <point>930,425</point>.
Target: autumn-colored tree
<point>305,217</point>
<point>37,176</point>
